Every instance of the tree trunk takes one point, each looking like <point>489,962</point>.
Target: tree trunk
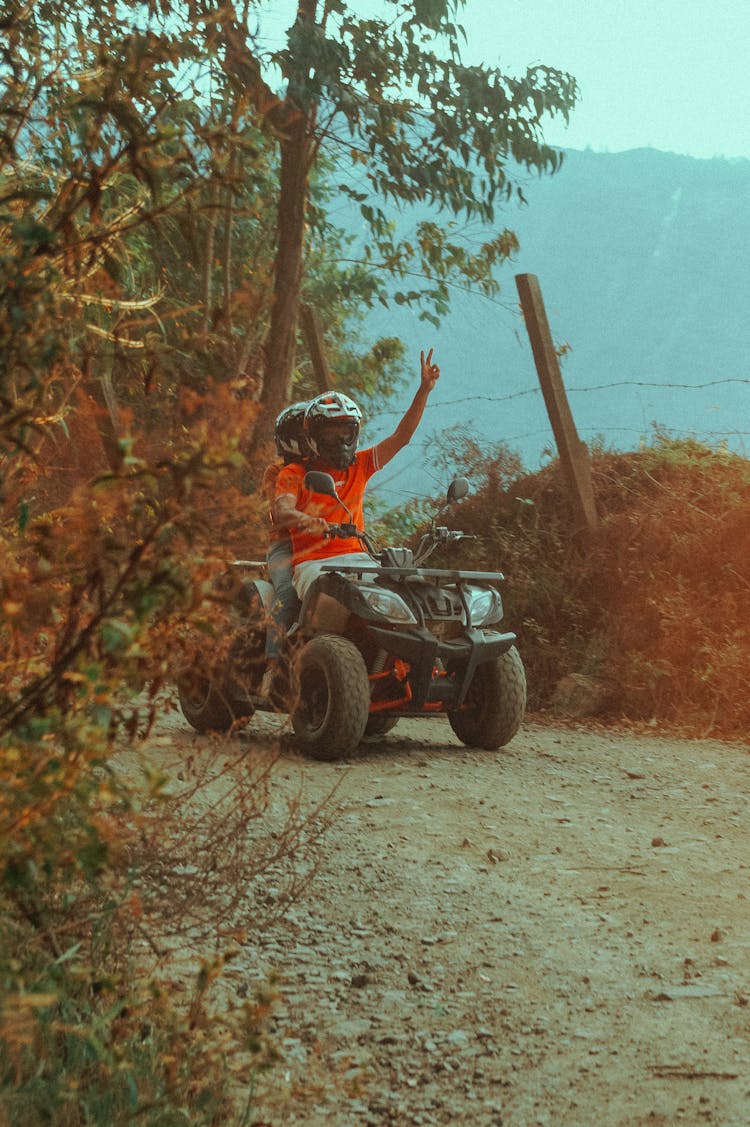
<point>314,342</point>
<point>228,225</point>
<point>209,254</point>
<point>288,272</point>
<point>100,391</point>
<point>296,147</point>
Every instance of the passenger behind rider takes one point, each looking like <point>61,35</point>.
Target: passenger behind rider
<point>291,446</point>
<point>331,427</point>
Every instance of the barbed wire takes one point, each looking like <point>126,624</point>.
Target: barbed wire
<point>387,487</point>
<point>525,392</point>
<point>654,383</point>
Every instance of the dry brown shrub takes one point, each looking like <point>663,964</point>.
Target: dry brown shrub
<point>104,875</point>
<point>208,848</point>
<point>656,605</point>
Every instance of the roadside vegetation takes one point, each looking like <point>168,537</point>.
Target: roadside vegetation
<point>168,191</point>
<point>655,611</point>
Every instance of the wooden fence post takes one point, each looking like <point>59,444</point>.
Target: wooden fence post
<point>573,453</point>
<point>314,341</point>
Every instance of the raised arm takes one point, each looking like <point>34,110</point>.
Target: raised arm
<point>430,374</point>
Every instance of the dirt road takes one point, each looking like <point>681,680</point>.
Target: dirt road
<point>554,934</point>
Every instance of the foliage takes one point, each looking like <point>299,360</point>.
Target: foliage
<point>341,287</point>
<point>137,224</point>
<point>389,526</point>
<point>369,93</point>
<point>657,606</point>
<point>100,877</point>
<point>393,85</point>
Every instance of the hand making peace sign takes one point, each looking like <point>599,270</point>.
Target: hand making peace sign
<point>430,371</point>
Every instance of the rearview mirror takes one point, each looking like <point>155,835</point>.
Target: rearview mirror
<point>457,489</point>
<point>318,482</point>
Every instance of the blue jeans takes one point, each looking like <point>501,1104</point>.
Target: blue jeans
<point>286,604</point>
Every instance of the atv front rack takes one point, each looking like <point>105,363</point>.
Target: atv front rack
<point>453,576</point>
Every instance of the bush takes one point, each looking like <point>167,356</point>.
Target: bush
<point>657,605</point>
<point>106,873</point>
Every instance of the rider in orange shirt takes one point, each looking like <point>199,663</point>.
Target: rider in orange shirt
<point>332,424</point>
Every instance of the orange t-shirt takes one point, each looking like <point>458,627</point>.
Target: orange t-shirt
<point>350,486</point>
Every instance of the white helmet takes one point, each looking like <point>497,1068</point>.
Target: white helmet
<point>335,444</point>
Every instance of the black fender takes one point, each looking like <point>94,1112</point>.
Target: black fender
<point>254,600</point>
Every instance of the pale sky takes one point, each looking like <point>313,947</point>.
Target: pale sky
<point>662,74</point>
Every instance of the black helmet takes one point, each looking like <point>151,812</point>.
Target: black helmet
<point>291,444</point>
<point>332,422</point>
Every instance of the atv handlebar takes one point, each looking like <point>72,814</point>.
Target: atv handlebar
<point>449,535</point>
<point>427,544</point>
<point>348,531</point>
<point>438,535</point>
<point>344,531</point>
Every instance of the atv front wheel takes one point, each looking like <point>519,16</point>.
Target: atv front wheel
<point>495,703</point>
<point>331,697</point>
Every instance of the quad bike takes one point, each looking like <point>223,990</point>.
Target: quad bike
<point>371,643</point>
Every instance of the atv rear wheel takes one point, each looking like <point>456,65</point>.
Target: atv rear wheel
<point>206,704</point>
<point>495,703</point>
<point>378,724</point>
<point>331,697</point>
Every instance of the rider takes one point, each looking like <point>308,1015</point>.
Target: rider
<point>332,425</point>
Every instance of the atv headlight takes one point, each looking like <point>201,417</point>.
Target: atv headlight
<point>387,603</point>
<point>485,605</point>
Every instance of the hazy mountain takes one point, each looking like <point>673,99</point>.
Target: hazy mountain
<point>643,259</point>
